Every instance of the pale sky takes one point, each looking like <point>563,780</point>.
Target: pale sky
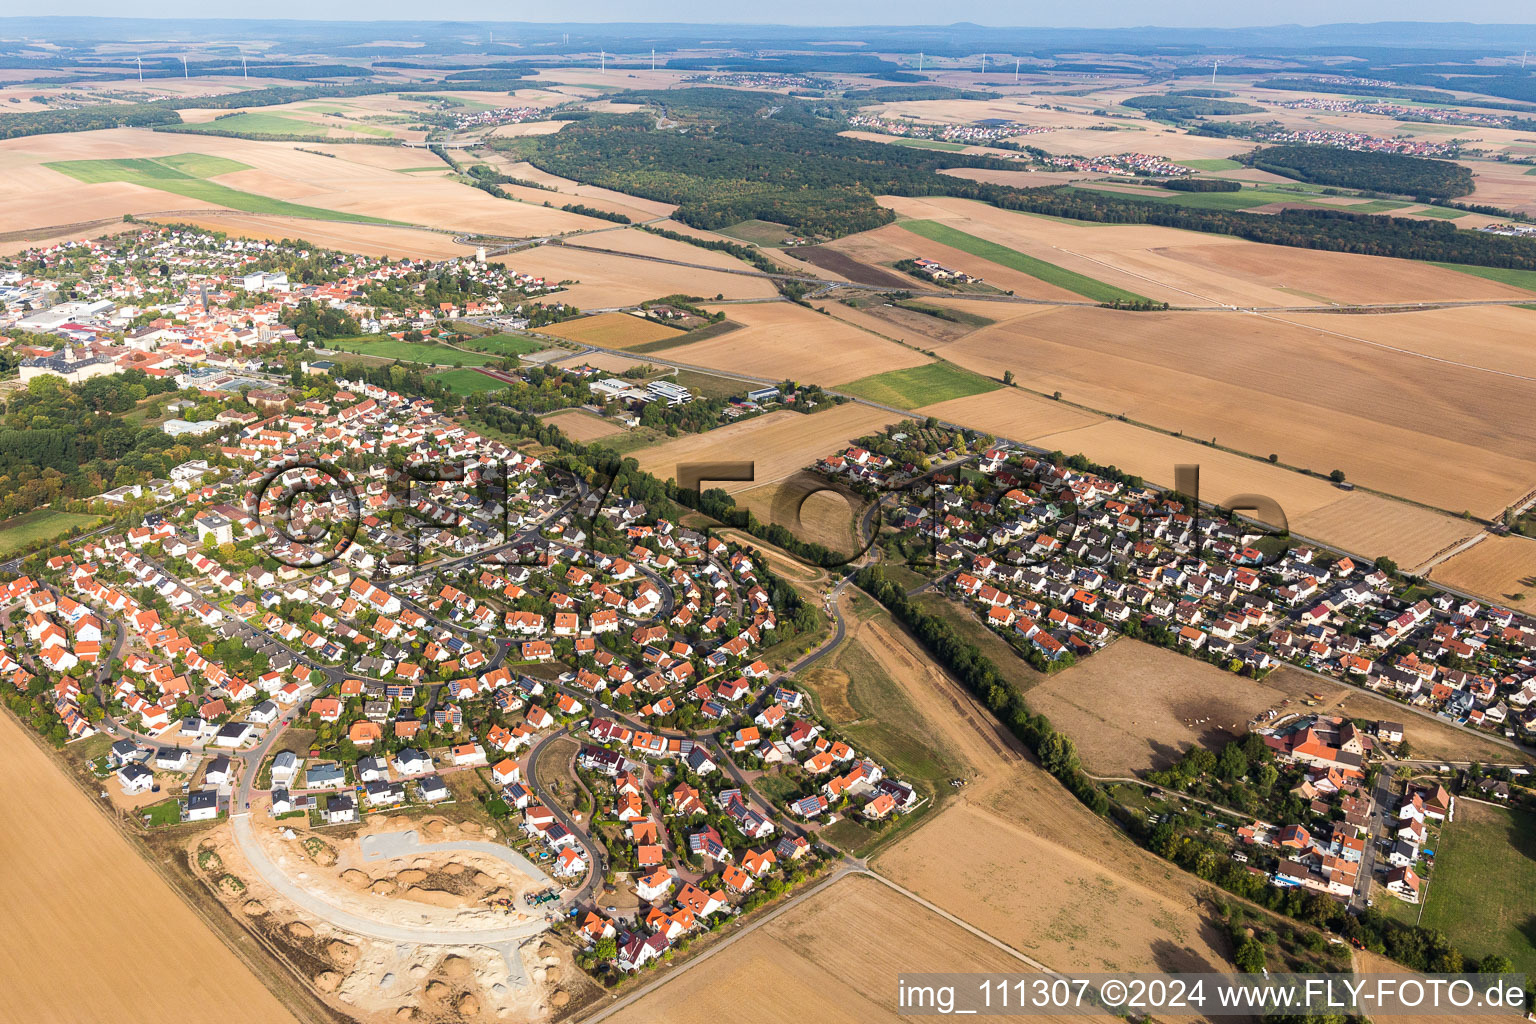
<point>1079,14</point>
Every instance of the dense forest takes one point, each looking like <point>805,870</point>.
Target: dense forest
<point>60,440</point>
<point>87,119</point>
<point>1201,185</point>
<point>1381,172</point>
<point>1182,106</point>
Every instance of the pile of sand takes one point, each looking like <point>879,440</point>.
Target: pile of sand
<point>437,897</point>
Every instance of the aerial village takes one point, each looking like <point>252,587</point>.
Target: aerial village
<point>1060,561</point>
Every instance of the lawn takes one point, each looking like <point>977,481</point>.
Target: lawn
<point>1516,278</point>
<point>1437,211</point>
<point>166,812</point>
<point>1480,890</point>
<point>1081,284</point>
<point>185,174</point>
<point>261,124</point>
<point>1212,165</point>
<point>468,382</point>
<point>503,344</point>
<point>410,351</point>
<point>40,524</point>
<point>917,386</point>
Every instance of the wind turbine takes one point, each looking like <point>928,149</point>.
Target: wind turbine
<point>245,72</point>
<point>141,69</point>
<point>184,73</point>
<point>983,64</point>
<point>653,58</point>
<point>1016,63</point>
<point>919,60</point>
<point>1214,66</point>
<point>1524,55</point>
<point>602,61</point>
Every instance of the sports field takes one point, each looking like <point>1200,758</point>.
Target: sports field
<point>916,386</point>
<point>1072,281</point>
<point>468,382</point>
<point>41,524</point>
<point>410,351</point>
<point>1480,889</point>
<point>503,344</point>
<point>186,174</point>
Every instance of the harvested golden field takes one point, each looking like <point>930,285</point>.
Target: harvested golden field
<point>1491,337</point>
<point>1133,707</point>
<point>780,443</point>
<point>279,170</point>
<point>1502,569</point>
<point>1024,177</point>
<point>835,957</point>
<point>825,518</point>
<point>526,128</point>
<point>78,901</point>
<point>1016,415</point>
<point>605,280</point>
<point>1040,871</point>
<point>632,206</point>
<point>610,361</point>
<point>1058,884</point>
<point>612,330</point>
<point>1197,269</point>
<point>781,339</point>
<point>643,243</point>
<point>1361,521</point>
<point>366,239</point>
<point>1319,396</point>
<point>583,426</point>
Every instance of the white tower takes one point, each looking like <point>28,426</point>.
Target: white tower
<point>480,255</point>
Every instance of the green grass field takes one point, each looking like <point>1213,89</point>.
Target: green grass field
<point>1485,872</point>
<point>1212,165</point>
<point>261,124</point>
<point>1080,284</point>
<point>185,174</point>
<point>409,351</point>
<point>503,344</point>
<point>759,232</point>
<point>954,316</point>
<point>1440,212</point>
<point>40,524</point>
<point>917,386</point>
<point>899,140</point>
<point>1516,278</point>
<point>468,382</point>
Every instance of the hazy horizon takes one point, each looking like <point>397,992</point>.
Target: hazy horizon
<point>1088,15</point>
